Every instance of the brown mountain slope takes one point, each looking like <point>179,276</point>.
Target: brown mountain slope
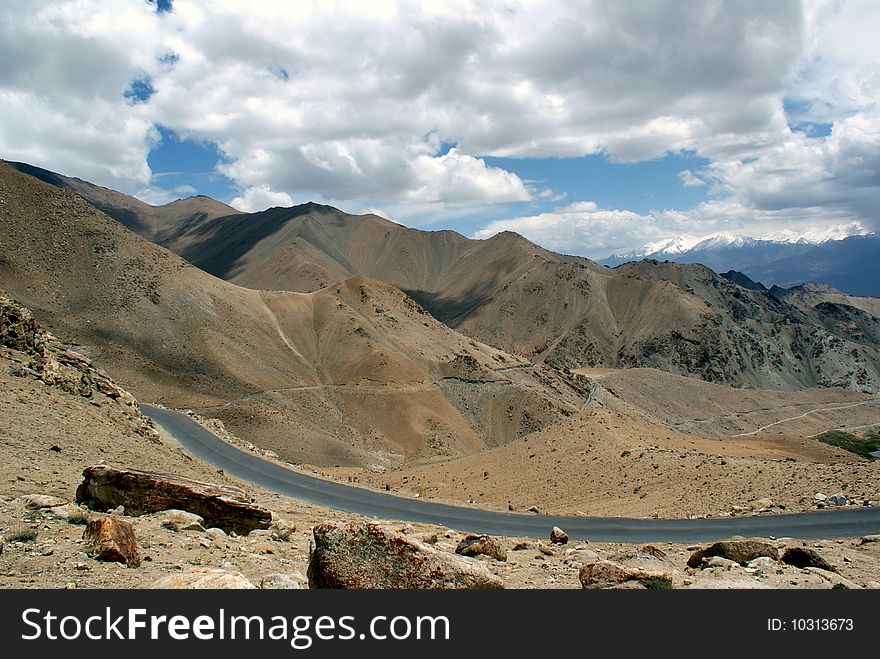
<point>567,311</point>
<point>356,373</point>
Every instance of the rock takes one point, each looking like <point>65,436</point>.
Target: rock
<point>532,509</point>
<point>765,564</point>
<point>277,581</point>
<point>656,552</point>
<point>607,574</point>
<point>180,520</point>
<point>204,579</point>
<point>474,545</point>
<point>764,503</point>
<point>143,492</point>
<point>38,501</point>
<point>727,581</point>
<point>558,536</point>
<point>216,535</point>
<point>369,555</point>
<point>804,557</point>
<point>521,546</point>
<point>869,538</point>
<point>833,578</point>
<point>113,540</point>
<point>719,562</point>
<point>838,499</point>
<point>741,551</point>
<point>819,498</point>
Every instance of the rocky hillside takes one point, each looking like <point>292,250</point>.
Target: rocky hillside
<point>356,373</point>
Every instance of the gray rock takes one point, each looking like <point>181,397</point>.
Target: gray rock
<point>870,538</point>
<point>819,498</point>
<point>38,501</point>
<point>180,520</point>
<point>278,581</point>
<point>719,562</point>
<point>608,574</point>
<point>838,499</point>
<point>204,579</point>
<point>369,555</point>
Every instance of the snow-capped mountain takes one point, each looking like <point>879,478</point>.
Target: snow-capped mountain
<point>844,256</point>
<point>688,244</point>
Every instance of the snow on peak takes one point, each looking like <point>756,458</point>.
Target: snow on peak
<point>722,239</point>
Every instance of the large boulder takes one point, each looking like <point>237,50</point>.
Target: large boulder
<point>142,492</point>
<point>740,551</point>
<point>203,578</point>
<point>112,539</point>
<point>369,555</point>
<point>474,545</point>
<point>608,574</point>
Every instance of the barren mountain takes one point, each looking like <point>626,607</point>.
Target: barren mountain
<point>565,311</point>
<point>355,373</point>
<point>156,223</point>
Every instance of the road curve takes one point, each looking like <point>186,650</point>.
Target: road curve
<point>246,466</point>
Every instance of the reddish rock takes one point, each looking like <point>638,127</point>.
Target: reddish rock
<point>608,574</point>
<point>368,555</point>
<point>113,540</point>
<point>141,492</point>
<point>474,545</point>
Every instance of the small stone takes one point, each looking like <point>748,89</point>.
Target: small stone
<point>838,499</point>
<point>532,509</point>
<point>180,520</point>
<point>38,501</point>
<point>719,562</point>
<point>819,498</point>
<point>474,545</point>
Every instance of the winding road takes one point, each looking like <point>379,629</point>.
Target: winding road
<point>206,446</point>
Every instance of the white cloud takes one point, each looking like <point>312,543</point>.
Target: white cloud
<point>689,179</point>
<point>358,102</point>
<point>260,197</point>
<point>585,229</point>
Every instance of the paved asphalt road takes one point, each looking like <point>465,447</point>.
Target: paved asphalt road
<point>246,466</point>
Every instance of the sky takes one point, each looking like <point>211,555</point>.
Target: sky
<point>589,127</point>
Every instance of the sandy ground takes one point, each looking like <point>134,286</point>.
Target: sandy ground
<point>35,417</point>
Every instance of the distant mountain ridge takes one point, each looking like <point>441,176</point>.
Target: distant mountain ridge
<point>841,257</point>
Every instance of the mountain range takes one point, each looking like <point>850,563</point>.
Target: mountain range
<point>375,344</point>
<point>836,258</point>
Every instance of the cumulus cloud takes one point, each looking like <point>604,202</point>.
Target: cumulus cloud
<point>585,229</point>
<point>689,179</point>
<point>260,197</point>
<point>360,102</point>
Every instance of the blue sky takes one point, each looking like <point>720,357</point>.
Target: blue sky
<point>590,127</point>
